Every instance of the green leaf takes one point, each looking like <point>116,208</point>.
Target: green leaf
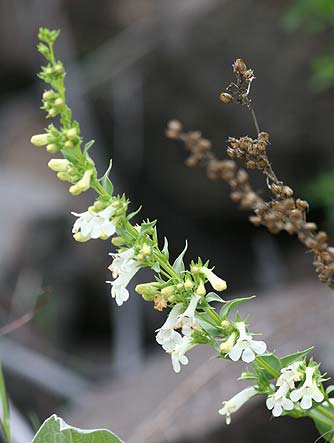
<point>156,267</point>
<point>321,417</point>
<point>291,358</point>
<point>231,304</point>
<point>212,296</point>
<point>178,265</point>
<point>105,181</point>
<point>134,213</point>
<point>165,248</point>
<point>88,146</point>
<point>270,364</point>
<point>55,430</point>
<point>329,389</point>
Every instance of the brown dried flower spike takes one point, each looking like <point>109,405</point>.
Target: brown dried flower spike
<point>283,211</point>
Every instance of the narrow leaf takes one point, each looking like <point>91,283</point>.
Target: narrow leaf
<point>178,265</point>
<point>291,358</point>
<point>231,304</point>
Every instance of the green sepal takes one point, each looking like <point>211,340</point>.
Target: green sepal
<point>134,213</point>
<point>231,304</point>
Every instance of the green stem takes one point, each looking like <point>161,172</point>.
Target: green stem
<point>5,408</point>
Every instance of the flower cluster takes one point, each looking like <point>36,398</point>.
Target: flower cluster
<point>287,395</point>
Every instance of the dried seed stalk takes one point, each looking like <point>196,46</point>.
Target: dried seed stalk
<point>283,212</point>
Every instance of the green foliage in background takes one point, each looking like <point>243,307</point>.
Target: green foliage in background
<point>320,193</point>
<point>316,16</point>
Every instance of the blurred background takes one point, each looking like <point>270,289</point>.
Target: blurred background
<point>132,65</point>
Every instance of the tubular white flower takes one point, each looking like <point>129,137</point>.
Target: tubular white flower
<point>178,354</point>
<point>278,402</point>
<point>40,139</point>
<point>217,283</point>
<point>166,336</point>
<point>59,165</point>
<point>187,321</point>
<point>289,375</point>
<point>94,224</point>
<point>308,392</point>
<point>123,268</point>
<point>235,403</point>
<point>245,347</point>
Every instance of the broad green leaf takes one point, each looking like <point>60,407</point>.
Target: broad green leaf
<point>178,265</point>
<point>291,358</point>
<point>270,364</point>
<point>229,305</point>
<point>55,430</point>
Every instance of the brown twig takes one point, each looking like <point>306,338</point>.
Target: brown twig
<point>283,211</point>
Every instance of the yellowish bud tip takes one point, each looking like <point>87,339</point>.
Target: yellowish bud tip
<point>146,250</point>
<point>168,291</point>
<point>195,269</point>
<point>104,236</point>
<point>68,144</point>
<point>53,112</point>
<point>59,102</point>
<point>48,95</point>
<point>80,238</point>
<point>201,289</point>
<point>225,324</point>
<point>40,139</point>
<point>51,148</point>
<point>74,190</point>
<point>117,241</point>
<point>188,284</point>
<point>225,347</point>
<point>71,133</point>
<point>82,184</point>
<point>179,286</point>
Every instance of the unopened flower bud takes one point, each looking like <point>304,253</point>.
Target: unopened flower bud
<point>195,269</point>
<point>52,112</point>
<point>80,238</point>
<point>225,324</point>
<point>59,102</point>
<point>40,139</point>
<point>179,286</point>
<point>146,290</point>
<point>168,291</point>
<point>117,241</point>
<point>68,144</point>
<point>217,283</point>
<point>59,164</point>
<point>71,133</point>
<point>227,345</point>
<point>58,68</point>
<point>146,250</point>
<point>52,148</point>
<point>82,184</point>
<point>201,289</point>
<point>226,98</point>
<point>48,95</point>
<point>188,284</point>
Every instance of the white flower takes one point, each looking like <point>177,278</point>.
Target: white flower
<point>94,224</point>
<point>245,347</point>
<point>278,402</point>
<point>178,354</point>
<point>187,320</point>
<point>236,402</point>
<point>308,392</point>
<point>123,268</point>
<point>217,283</point>
<point>289,375</point>
<point>166,336</point>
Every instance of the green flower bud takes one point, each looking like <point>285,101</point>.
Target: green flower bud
<point>59,102</point>
<point>48,95</point>
<point>80,238</point>
<point>52,148</point>
<point>146,290</point>
<point>68,144</point>
<point>225,324</point>
<point>227,345</point>
<point>188,284</point>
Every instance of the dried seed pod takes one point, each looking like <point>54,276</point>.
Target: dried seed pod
<point>239,66</point>
<point>302,204</point>
<point>226,98</point>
